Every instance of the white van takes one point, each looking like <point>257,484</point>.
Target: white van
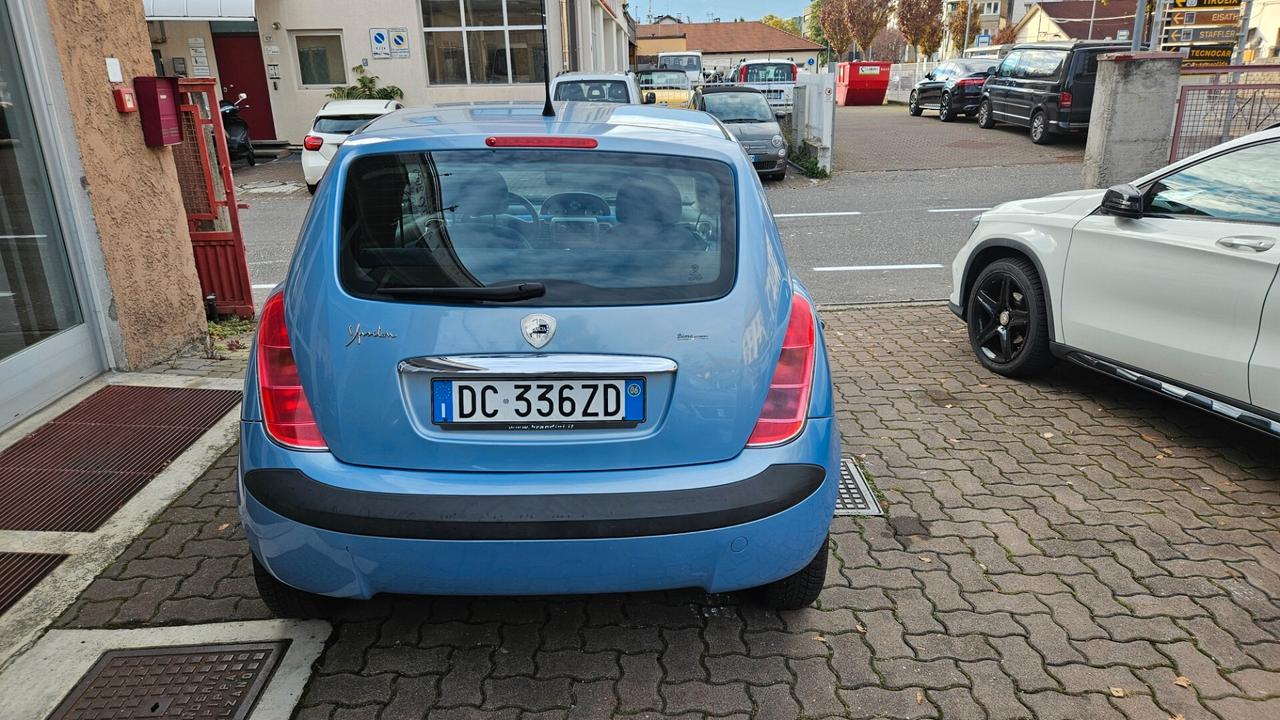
<point>775,78</point>
<point>690,62</point>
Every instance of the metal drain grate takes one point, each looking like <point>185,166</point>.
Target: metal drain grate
<point>197,681</point>
<point>855,496</point>
<point>76,470</point>
<point>19,572</point>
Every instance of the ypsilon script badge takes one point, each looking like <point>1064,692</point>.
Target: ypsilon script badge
<point>538,329</point>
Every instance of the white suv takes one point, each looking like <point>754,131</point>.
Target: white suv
<point>1169,283</point>
<point>618,88</point>
<point>334,122</point>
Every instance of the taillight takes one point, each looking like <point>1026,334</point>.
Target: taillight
<point>742,74</point>
<point>1064,99</point>
<point>970,82</point>
<point>787,404</point>
<point>312,142</point>
<point>795,72</point>
<point>285,410</point>
<point>541,141</point>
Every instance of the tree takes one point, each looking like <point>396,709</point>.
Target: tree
<point>920,22</point>
<point>889,45</point>
<point>812,25</point>
<point>958,24</point>
<point>785,24</point>
<point>866,20</point>
<point>1006,35</point>
<point>366,88</point>
<point>834,16</point>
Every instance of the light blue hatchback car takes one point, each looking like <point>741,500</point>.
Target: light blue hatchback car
<point>518,354</point>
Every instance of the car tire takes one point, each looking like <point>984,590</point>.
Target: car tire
<point>777,176</point>
<point>311,188</point>
<point>1040,134</point>
<point>986,119</point>
<point>945,113</point>
<point>286,601</point>
<point>253,160</point>
<point>801,589</point>
<point>1008,296</point>
<point>913,106</point>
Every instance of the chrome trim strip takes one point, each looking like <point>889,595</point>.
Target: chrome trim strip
<point>1217,407</point>
<point>539,364</point>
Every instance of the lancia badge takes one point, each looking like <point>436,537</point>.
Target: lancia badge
<point>538,329</point>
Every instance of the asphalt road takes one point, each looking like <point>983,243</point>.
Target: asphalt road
<point>893,233</point>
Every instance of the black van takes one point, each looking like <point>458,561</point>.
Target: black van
<point>1047,87</point>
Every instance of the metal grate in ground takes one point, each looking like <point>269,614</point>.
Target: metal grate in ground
<point>19,572</point>
<point>855,497</point>
<point>75,471</point>
<point>196,681</point>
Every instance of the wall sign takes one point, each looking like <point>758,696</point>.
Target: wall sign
<point>379,43</point>
<point>399,41</point>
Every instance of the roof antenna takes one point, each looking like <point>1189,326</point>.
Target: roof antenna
<point>547,109</point>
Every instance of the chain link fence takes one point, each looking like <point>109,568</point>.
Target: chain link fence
<point>1222,104</point>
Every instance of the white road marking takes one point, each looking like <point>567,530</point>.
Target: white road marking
<point>844,268</point>
<point>947,210</point>
<point>816,214</point>
<point>267,286</point>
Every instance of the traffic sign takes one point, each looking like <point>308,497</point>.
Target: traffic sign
<point>1203,34</point>
<point>399,41</point>
<point>1184,18</point>
<point>1196,4</point>
<point>379,46</point>
<point>1209,54</point>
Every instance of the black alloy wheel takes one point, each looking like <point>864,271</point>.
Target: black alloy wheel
<point>1008,324</point>
<point>986,120</point>
<point>945,113</point>
<point>913,105</point>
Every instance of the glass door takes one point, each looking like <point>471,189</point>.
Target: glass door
<point>45,347</point>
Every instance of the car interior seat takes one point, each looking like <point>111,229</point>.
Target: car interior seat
<point>475,208</point>
<point>573,92</point>
<point>649,209</point>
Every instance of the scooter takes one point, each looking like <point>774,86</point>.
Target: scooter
<point>237,130</point>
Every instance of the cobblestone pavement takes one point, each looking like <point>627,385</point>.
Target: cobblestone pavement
<point>886,137</point>
<point>1062,549</point>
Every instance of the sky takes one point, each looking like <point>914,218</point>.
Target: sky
<point>723,9</point>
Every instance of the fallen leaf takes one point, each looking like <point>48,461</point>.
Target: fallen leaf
<point>1047,435</point>
<point>919,697</point>
<point>1167,451</point>
<point>925,559</point>
<point>948,406</point>
<point>1148,438</point>
<point>1118,692</point>
<point>1177,716</point>
<point>860,628</point>
<point>983,385</point>
<point>821,638</point>
<point>1182,681</point>
<point>1159,457</point>
<point>223,526</point>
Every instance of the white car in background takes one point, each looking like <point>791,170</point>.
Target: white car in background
<point>620,88</point>
<point>775,78</point>
<point>1169,283</point>
<point>336,120</point>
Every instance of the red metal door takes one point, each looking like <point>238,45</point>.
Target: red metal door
<point>241,70</point>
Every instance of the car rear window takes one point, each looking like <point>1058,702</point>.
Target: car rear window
<point>614,91</point>
<point>770,72</point>
<point>341,124</point>
<point>595,228</point>
<point>1041,64</point>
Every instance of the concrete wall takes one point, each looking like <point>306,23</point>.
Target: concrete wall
<point>1131,125</point>
<point>154,294</point>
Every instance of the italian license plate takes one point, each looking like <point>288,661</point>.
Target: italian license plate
<point>533,404</point>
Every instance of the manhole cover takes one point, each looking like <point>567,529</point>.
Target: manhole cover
<point>855,497</point>
<point>195,681</point>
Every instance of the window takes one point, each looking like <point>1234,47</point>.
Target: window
<point>1242,186</point>
<point>610,228</point>
<point>483,41</point>
<point>991,8</point>
<point>341,124</point>
<point>736,107</point>
<point>613,91</point>
<point>320,58</point>
<point>771,72</point>
<point>1010,63</point>
<point>1040,64</point>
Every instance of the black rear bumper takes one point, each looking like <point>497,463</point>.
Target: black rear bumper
<point>295,496</point>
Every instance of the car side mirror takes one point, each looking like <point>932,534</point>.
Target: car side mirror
<point>650,98</point>
<point>1122,201</point>
<point>928,75</point>
<point>991,71</point>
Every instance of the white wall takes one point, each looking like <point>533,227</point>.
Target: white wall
<point>178,35</point>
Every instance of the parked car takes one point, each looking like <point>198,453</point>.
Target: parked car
<point>618,88</point>
<point>687,62</point>
<point>953,88</point>
<point>670,88</point>
<point>775,78</point>
<point>514,356</point>
<point>1169,283</point>
<point>336,120</point>
<point>1047,87</point>
<point>747,115</point>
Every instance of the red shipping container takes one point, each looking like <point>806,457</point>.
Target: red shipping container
<point>862,83</point>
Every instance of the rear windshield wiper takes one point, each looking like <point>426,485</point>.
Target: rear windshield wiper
<point>493,293</point>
